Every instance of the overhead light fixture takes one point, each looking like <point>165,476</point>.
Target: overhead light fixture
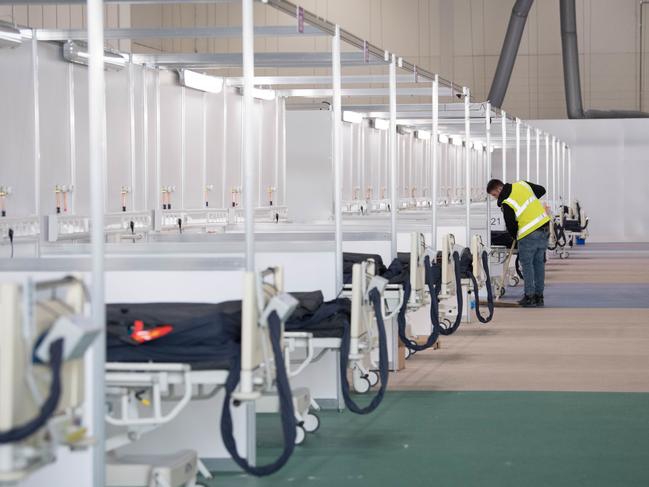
<point>352,117</point>
<point>380,124</point>
<point>443,139</point>
<point>9,36</point>
<point>259,93</point>
<point>403,130</point>
<point>200,81</point>
<point>422,134</point>
<point>457,141</point>
<point>77,52</point>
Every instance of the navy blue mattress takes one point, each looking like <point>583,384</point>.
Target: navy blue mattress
<point>208,336</point>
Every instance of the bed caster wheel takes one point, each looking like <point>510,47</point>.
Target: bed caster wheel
<point>564,255</point>
<point>373,377</point>
<point>300,435</point>
<point>501,292</point>
<point>311,423</point>
<point>407,353</point>
<point>360,380</point>
<point>513,281</point>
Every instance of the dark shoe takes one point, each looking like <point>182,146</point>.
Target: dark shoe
<point>527,302</point>
<point>538,298</point>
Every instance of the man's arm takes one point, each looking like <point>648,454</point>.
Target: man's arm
<point>539,190</point>
<point>510,221</point>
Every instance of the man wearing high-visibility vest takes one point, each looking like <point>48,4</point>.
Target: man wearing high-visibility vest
<point>528,222</point>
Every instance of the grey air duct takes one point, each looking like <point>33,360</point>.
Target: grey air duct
<point>570,54</point>
<point>509,51</point>
<point>571,78</point>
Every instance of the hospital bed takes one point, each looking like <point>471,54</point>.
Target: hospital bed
<point>45,335</point>
<point>234,347</point>
<point>351,327</point>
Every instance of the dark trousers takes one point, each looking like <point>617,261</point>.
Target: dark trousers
<point>531,254</point>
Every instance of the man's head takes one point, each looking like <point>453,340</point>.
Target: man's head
<point>494,187</point>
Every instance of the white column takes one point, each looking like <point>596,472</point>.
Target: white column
<point>434,173</point>
<point>467,161</point>
<point>97,159</point>
<point>392,143</point>
<point>518,149</point>
<point>488,168</point>
<point>337,155</point>
<point>529,148</point>
<point>503,128</point>
<point>547,168</point>
<point>248,142</point>
<point>538,155</point>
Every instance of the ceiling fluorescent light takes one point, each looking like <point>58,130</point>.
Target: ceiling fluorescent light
<point>9,35</point>
<point>200,81</point>
<point>379,124</point>
<point>352,117</point>
<point>403,130</point>
<point>457,141</point>
<point>77,52</point>
<point>422,134</point>
<point>259,93</point>
<point>443,139</point>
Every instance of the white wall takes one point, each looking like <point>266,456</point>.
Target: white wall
<point>610,174</point>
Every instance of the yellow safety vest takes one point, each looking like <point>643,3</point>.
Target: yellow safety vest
<point>529,211</point>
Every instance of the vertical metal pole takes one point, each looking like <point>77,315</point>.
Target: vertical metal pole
<point>503,128</point>
<point>569,176</point>
<point>277,156</point>
<point>131,109</point>
<point>538,155</point>
<point>204,154</point>
<point>183,145</point>
<point>73,140</point>
<point>158,141</point>
<point>554,173</point>
<point>247,22</point>
<point>518,149</point>
<point>224,151</point>
<point>563,172</point>
<point>337,155</point>
<point>361,149</point>
<point>283,161</point>
<point>467,161</point>
<point>488,169</point>
<point>547,168</point>
<point>97,145</point>
<point>392,143</point>
<point>529,148</point>
<point>37,129</point>
<point>145,137</point>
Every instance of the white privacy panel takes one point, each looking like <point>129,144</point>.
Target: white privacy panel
<point>216,145</point>
<point>17,129</point>
<point>171,155</point>
<point>118,138</point>
<point>195,150</point>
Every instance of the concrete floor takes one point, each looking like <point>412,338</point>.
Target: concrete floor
<point>554,396</point>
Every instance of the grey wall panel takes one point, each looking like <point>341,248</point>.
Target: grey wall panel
<point>309,165</point>
<point>194,138</point>
<point>170,135</point>
<point>233,168</point>
<point>17,129</point>
<point>54,124</point>
<point>215,148</point>
<point>118,133</point>
<point>82,189</point>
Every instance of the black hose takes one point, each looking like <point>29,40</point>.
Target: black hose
<point>287,412</point>
<point>49,406</point>
<point>375,299</point>
<point>458,294</point>
<point>490,296</point>
<point>434,313</point>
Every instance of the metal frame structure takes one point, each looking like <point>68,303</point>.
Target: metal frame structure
<point>472,121</point>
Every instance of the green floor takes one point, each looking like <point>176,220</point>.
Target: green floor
<point>471,439</point>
